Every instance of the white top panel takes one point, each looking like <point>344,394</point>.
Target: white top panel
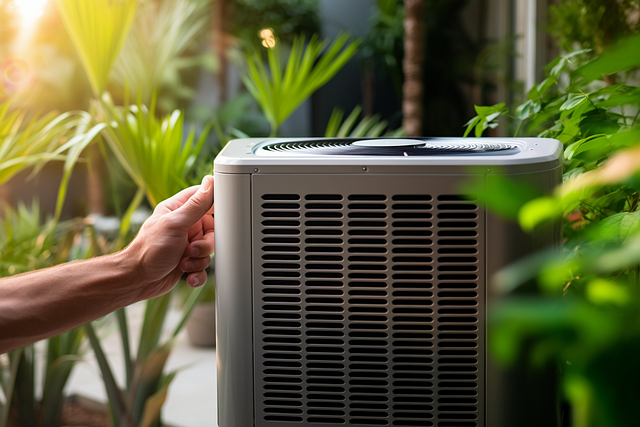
<point>511,151</point>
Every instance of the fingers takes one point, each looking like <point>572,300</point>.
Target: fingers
<point>197,205</point>
<point>190,265</point>
<point>201,248</point>
<point>197,279</point>
<point>179,199</point>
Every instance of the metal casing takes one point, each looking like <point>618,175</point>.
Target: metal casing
<point>354,289</point>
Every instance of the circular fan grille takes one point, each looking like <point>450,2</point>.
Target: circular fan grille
<point>305,145</point>
<point>346,147</point>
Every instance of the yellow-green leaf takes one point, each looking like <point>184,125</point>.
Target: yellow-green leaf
<point>97,28</point>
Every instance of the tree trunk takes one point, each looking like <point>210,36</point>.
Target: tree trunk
<point>220,45</point>
<point>412,67</point>
<point>368,91</point>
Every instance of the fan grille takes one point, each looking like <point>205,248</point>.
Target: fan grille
<point>369,309</point>
<point>346,147</point>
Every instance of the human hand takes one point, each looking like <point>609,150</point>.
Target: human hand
<point>177,238</point>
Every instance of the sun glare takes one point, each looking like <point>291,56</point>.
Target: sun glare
<point>268,38</point>
<point>16,68</point>
<point>14,73</point>
<point>29,10</point>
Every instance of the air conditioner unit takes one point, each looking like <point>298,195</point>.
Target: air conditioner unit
<point>352,281</point>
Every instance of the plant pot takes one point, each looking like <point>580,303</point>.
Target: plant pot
<point>86,412</point>
<point>201,325</point>
<point>83,411</point>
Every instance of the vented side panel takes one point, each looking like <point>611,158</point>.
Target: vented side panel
<point>368,301</point>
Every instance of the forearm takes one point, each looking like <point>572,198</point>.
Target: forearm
<point>47,302</point>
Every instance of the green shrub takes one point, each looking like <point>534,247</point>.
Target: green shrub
<point>586,318</point>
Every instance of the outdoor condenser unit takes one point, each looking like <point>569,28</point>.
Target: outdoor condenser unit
<point>352,282</point>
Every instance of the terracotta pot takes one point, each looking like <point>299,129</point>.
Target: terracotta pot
<point>201,325</point>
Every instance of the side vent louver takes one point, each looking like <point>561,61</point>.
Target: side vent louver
<point>369,310</point>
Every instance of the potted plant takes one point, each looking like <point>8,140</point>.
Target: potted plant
<point>201,325</point>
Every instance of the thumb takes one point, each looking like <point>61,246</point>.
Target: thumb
<point>197,205</point>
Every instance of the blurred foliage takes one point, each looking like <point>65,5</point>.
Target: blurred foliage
<point>279,92</point>
<point>33,389</point>
<point>157,155</point>
<point>593,331</point>
<point>43,73</point>
<point>369,126</point>
<point>32,143</point>
<point>98,30</point>
<point>165,39</point>
<point>151,149</point>
<point>593,24</point>
<point>383,47</point>
<point>150,50</point>
<point>236,118</point>
<point>26,243</point>
<point>286,18</point>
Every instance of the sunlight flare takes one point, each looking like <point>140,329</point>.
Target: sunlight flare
<point>29,10</point>
<point>268,38</point>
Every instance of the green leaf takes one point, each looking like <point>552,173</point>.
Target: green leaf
<point>485,118</point>
<point>620,226</point>
<point>148,378</point>
<point>152,150</point>
<point>621,57</point>
<point>602,291</point>
<point>470,125</point>
<point>63,352</point>
<point>116,398</point>
<point>77,145</point>
<point>369,126</point>
<point>98,29</point>
<point>539,210</point>
<point>7,383</point>
<point>527,109</point>
<point>307,69</point>
<point>192,300</point>
<point>570,129</point>
<point>154,316</point>
<point>157,47</point>
<point>334,123</point>
<point>502,195</point>
<point>624,95</point>
<point>572,149</point>
<point>598,121</point>
<point>560,63</point>
<point>573,102</point>
<point>153,405</point>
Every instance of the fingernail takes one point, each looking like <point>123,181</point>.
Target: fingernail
<point>206,183</point>
<point>194,252</point>
<point>196,281</point>
<point>188,265</point>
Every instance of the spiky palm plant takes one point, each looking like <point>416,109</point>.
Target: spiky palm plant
<point>152,55</point>
<point>369,126</point>
<point>279,92</point>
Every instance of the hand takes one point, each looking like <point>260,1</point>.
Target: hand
<point>176,239</point>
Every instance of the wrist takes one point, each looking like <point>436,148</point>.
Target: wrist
<point>127,263</point>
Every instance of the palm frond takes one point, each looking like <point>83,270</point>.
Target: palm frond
<point>369,126</point>
<point>307,69</point>
<point>162,31</point>
<point>152,150</point>
<point>32,143</point>
<point>98,29</point>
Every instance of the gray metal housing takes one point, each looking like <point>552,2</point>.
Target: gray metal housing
<point>353,290</point>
